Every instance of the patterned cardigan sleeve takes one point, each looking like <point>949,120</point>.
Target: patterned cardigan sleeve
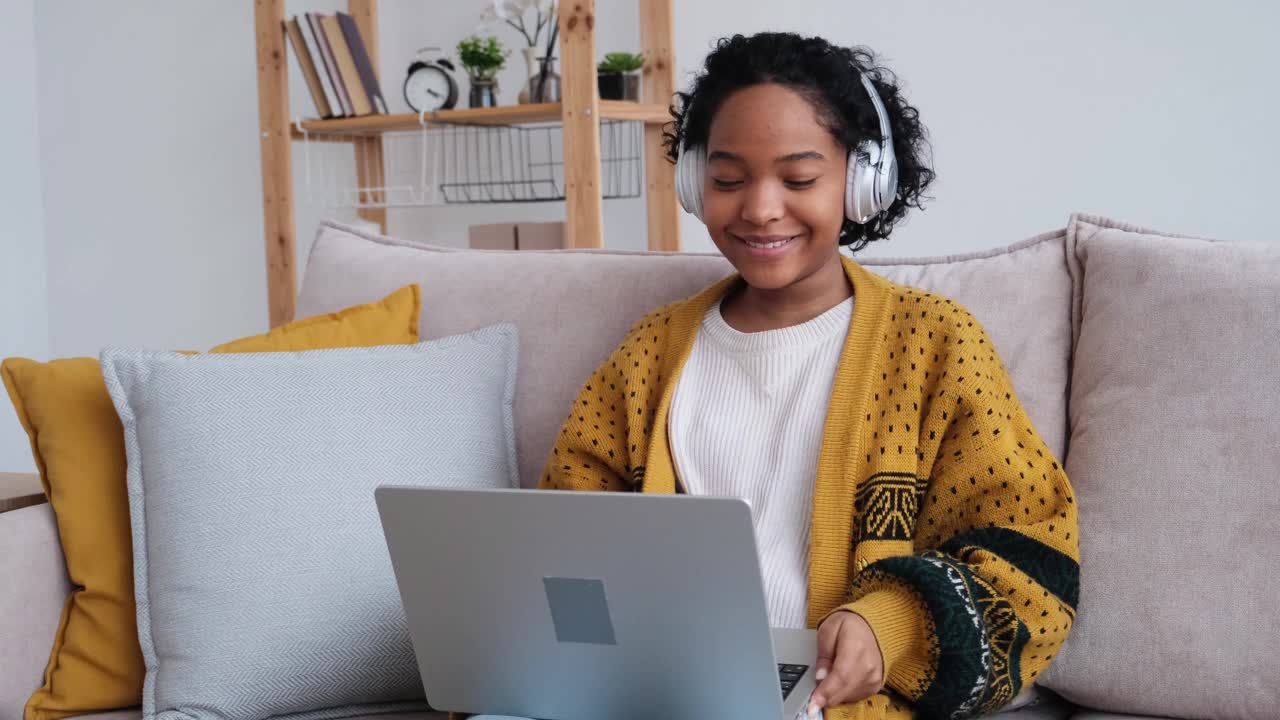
<point>989,595</point>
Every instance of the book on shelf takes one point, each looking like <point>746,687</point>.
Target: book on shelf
<point>320,92</point>
<point>363,62</point>
<point>331,63</point>
<point>323,60</point>
<point>346,66</point>
<point>336,65</point>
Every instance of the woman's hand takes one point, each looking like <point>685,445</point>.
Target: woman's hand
<point>849,664</point>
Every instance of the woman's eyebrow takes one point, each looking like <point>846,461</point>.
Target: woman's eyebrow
<point>789,157</point>
<point>804,155</point>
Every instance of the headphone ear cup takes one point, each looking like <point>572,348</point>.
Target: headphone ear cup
<point>888,179</point>
<point>691,165</point>
<point>861,201</point>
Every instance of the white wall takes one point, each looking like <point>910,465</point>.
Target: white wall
<point>149,127</point>
<point>24,329</point>
<point>1154,111</point>
<point>1157,112</point>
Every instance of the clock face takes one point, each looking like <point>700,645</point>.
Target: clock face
<point>429,88</point>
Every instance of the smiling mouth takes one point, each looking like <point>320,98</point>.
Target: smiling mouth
<point>764,245</point>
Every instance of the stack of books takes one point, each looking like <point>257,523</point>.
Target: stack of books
<point>336,65</point>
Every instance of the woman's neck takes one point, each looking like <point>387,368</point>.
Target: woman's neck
<point>750,309</point>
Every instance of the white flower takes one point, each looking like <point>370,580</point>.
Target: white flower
<point>516,14</point>
<point>508,9</point>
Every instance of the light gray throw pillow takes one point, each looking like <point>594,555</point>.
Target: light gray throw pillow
<point>263,583</point>
<point>1175,461</point>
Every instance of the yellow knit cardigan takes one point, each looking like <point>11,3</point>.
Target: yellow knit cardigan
<point>939,514</point>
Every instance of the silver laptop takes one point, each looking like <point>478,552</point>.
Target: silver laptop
<point>591,606</point>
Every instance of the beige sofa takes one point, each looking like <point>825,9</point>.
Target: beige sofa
<point>1149,362</point>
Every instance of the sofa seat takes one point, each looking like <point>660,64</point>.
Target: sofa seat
<point>1050,708</point>
<point>136,714</point>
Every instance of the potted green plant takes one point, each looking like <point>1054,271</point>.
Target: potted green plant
<point>482,58</point>
<point>618,76</point>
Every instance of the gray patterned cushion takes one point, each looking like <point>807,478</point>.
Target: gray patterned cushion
<point>263,583</point>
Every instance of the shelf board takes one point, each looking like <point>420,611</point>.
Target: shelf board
<point>653,114</point>
<point>649,113</point>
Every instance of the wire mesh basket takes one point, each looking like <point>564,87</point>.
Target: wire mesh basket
<point>460,164</point>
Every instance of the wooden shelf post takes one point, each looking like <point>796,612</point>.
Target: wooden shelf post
<point>277,169</point>
<point>580,116</point>
<point>659,85</point>
<point>369,168</point>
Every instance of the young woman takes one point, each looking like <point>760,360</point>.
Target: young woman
<point>904,504</point>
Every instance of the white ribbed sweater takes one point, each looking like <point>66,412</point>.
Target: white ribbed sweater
<point>746,421</point>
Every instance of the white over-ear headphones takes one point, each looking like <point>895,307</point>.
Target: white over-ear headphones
<point>871,181</point>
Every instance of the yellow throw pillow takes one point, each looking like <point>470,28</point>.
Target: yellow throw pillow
<point>78,443</point>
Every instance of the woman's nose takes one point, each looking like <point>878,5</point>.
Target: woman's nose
<point>762,203</point>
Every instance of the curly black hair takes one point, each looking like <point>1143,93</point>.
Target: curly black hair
<point>829,77</point>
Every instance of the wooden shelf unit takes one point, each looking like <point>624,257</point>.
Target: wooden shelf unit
<point>579,114</point>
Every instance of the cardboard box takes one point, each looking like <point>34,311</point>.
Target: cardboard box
<point>517,236</point>
<point>540,236</point>
<point>495,236</point>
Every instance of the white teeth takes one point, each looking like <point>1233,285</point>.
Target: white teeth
<point>768,246</point>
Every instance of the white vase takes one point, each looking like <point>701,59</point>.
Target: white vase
<point>531,69</point>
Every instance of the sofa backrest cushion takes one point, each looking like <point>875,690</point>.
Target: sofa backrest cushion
<point>1174,458</point>
<point>573,307</point>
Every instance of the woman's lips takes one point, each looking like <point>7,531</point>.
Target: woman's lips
<point>766,245</point>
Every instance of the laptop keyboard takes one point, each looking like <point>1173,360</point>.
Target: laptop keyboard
<point>790,675</point>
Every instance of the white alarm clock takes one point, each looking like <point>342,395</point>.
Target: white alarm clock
<point>430,86</point>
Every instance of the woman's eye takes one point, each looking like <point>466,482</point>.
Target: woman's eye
<point>726,184</point>
<point>799,184</point>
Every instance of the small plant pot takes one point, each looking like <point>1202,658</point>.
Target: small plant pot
<point>631,86</point>
<point>484,93</point>
<point>610,85</point>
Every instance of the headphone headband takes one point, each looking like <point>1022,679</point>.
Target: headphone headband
<point>886,135</point>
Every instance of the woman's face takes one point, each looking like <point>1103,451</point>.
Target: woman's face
<point>774,191</point>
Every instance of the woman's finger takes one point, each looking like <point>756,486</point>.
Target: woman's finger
<point>854,673</point>
<point>830,681</point>
<point>843,679</point>
<point>827,633</point>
